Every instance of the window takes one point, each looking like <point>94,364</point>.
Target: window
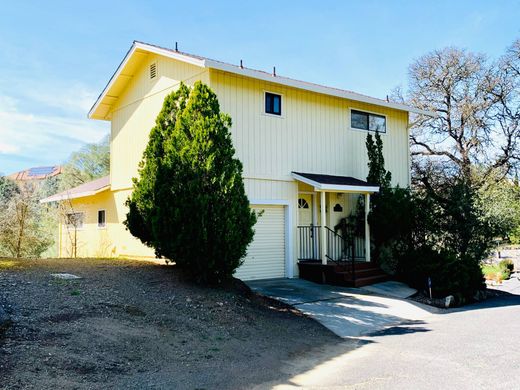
<point>75,220</point>
<point>303,204</point>
<point>338,208</point>
<point>273,103</point>
<point>101,218</point>
<point>367,121</point>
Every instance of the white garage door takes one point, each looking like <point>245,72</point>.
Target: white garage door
<point>266,254</point>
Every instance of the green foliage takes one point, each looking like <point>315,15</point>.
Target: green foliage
<point>22,226</point>
<point>507,265</point>
<point>497,272</point>
<point>8,189</point>
<point>499,202</point>
<point>419,235</point>
<point>189,202</point>
<point>377,174</point>
<point>89,163</point>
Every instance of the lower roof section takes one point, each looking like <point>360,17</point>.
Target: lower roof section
<point>86,189</point>
<point>332,183</point>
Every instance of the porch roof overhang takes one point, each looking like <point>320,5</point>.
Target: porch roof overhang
<point>332,183</point>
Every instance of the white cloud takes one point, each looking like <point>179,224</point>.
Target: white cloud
<point>44,136</point>
<point>72,97</point>
<point>8,148</point>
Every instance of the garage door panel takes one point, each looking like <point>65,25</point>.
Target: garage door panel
<point>266,254</point>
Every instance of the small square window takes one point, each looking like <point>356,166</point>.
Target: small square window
<point>101,218</point>
<point>74,220</point>
<point>273,103</point>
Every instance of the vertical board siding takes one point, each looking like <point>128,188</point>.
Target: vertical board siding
<point>134,113</point>
<point>312,135</point>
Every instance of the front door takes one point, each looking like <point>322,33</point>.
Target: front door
<point>307,233</point>
<point>304,209</point>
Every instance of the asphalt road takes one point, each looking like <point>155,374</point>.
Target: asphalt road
<point>476,347</point>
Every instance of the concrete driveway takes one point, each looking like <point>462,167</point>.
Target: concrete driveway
<point>472,347</point>
<point>348,312</point>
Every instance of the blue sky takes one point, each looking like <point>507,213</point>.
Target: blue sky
<point>56,59</point>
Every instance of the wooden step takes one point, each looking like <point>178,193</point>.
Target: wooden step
<point>363,273</point>
<point>360,282</point>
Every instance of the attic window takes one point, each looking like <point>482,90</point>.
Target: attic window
<point>153,70</point>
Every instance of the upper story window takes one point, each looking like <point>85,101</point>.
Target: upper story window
<point>273,103</point>
<point>367,121</point>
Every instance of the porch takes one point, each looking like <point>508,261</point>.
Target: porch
<point>330,251</point>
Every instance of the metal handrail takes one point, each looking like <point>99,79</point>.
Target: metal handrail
<point>340,251</point>
<point>309,242</point>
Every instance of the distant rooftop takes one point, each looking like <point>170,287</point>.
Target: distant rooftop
<point>36,173</point>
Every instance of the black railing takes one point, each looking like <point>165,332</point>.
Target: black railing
<point>309,243</point>
<point>339,248</point>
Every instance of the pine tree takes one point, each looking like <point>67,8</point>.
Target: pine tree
<point>189,202</point>
<point>377,174</point>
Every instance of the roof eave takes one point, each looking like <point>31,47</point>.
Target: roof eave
<point>313,87</point>
<point>135,46</point>
<point>68,196</point>
<point>207,63</point>
<point>336,187</point>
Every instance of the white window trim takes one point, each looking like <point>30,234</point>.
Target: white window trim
<point>97,217</point>
<point>70,226</point>
<point>282,99</point>
<point>368,112</point>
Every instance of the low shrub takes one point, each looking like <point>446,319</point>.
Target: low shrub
<point>507,264</point>
<point>496,272</point>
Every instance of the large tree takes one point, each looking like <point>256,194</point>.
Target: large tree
<point>92,161</point>
<point>189,202</point>
<point>476,102</point>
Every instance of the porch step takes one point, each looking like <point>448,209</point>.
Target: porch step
<point>365,274</point>
<point>366,281</point>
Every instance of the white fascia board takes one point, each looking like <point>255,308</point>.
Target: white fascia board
<point>67,196</point>
<point>345,188</point>
<point>112,80</point>
<point>336,187</point>
<point>129,54</point>
<point>313,87</point>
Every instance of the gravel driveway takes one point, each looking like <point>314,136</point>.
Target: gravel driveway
<point>137,325</point>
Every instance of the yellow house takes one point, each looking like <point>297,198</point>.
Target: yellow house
<point>302,146</point>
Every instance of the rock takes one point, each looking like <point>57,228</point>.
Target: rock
<point>65,276</point>
<point>449,301</point>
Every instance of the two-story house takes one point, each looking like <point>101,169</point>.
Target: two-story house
<point>302,146</point>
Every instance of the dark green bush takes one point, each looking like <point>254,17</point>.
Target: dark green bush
<point>189,202</point>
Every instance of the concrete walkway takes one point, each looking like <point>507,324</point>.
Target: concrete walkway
<point>348,312</point>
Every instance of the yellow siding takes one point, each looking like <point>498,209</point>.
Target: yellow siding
<point>313,134</point>
<point>110,241</point>
<point>134,113</point>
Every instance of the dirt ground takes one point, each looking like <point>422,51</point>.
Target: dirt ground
<point>138,325</point>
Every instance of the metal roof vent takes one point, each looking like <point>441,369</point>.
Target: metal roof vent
<point>153,70</point>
